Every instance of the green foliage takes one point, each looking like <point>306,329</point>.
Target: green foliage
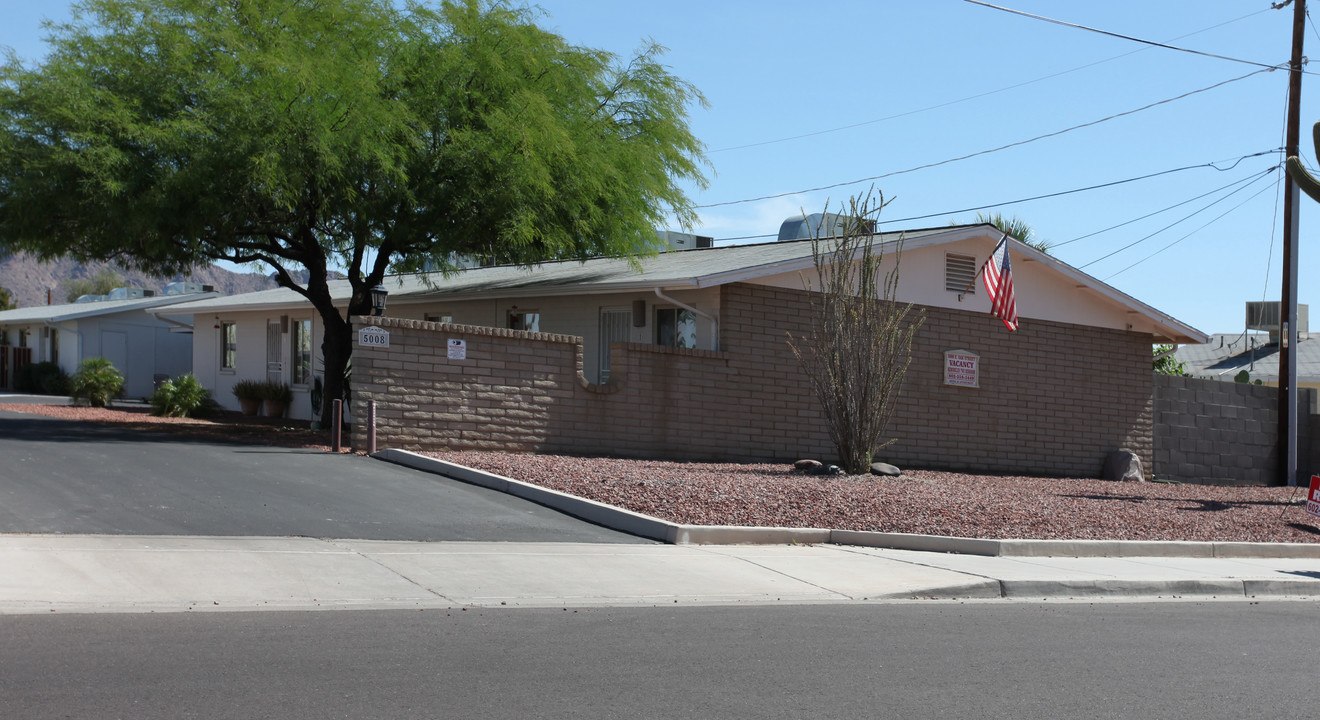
<point>276,392</point>
<point>1299,173</point>
<point>45,378</point>
<point>96,382</point>
<point>7,301</point>
<point>183,396</point>
<point>346,133</point>
<point>249,389</point>
<point>101,283</point>
<point>1165,363</point>
<point>1244,377</point>
<point>1017,228</point>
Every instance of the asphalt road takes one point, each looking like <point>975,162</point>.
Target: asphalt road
<point>58,476</point>
<point>930,660</point>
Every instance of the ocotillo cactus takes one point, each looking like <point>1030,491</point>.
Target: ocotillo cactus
<point>1304,179</point>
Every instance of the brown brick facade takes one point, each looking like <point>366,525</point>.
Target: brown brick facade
<point>1053,398</point>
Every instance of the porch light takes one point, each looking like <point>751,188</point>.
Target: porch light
<point>378,295</point>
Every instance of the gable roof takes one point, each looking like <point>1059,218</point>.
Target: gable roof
<point>78,311</point>
<point>676,270</point>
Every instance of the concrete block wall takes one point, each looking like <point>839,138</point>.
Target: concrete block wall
<point>1210,431</point>
<point>1053,398</point>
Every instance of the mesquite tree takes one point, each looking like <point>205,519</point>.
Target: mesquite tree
<point>359,136</point>
<point>860,342</point>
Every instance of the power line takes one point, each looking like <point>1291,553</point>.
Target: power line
<point>1123,37</point>
<point>986,152</point>
<point>970,97</point>
<point>1189,216</point>
<point>1184,237</point>
<point>1060,194</point>
<point>1085,189</point>
<point>1147,216</point>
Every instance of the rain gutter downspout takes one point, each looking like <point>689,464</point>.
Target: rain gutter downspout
<point>715,323</point>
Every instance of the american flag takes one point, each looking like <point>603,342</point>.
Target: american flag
<point>998,278</point>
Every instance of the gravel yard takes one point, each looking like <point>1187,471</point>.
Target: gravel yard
<point>935,503</point>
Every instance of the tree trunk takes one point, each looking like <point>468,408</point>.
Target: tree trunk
<point>336,349</point>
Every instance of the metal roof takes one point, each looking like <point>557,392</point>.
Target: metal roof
<point>77,311</point>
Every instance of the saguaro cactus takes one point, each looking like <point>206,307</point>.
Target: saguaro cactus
<point>1299,174</point>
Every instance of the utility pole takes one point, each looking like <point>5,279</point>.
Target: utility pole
<point>1288,301</point>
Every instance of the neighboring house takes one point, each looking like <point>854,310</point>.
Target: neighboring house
<point>1255,350</point>
<point>1072,384</point>
<point>144,346</point>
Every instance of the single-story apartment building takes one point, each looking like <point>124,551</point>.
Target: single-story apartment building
<point>145,346</point>
<point>685,355</point>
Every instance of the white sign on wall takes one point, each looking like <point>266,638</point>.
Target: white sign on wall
<point>374,337</point>
<point>962,368</point>
<point>457,349</point>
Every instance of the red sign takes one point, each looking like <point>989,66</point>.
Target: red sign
<point>1313,496</point>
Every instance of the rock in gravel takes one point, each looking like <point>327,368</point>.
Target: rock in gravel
<point>828,470</point>
<point>1123,466</point>
<point>806,465</point>
<point>880,468</point>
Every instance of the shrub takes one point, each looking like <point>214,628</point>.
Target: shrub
<point>249,389</point>
<point>276,392</point>
<point>97,382</point>
<point>44,378</point>
<point>181,397</point>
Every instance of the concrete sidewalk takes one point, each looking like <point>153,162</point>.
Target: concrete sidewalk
<point>69,573</point>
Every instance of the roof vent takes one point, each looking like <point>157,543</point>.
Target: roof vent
<point>960,273</point>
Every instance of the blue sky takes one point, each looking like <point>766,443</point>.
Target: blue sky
<point>810,95</point>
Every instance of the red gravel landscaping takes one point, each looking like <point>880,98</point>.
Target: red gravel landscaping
<point>772,495</point>
<point>934,503</point>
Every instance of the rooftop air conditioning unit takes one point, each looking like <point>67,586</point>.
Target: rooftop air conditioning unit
<point>821,225</point>
<point>1264,317</point>
<point>684,241</point>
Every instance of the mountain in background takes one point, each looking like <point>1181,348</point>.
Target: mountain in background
<point>29,279</point>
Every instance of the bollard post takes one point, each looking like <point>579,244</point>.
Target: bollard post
<point>336,425</point>
<point>371,427</point>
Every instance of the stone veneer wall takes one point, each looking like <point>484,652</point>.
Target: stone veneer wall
<point>1053,398</point>
<point>1210,431</point>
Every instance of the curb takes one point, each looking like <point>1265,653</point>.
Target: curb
<point>654,528</point>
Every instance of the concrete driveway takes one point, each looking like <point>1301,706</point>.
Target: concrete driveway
<point>58,476</point>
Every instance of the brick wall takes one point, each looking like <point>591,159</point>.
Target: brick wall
<point>1053,398</point>
<point>1209,431</point>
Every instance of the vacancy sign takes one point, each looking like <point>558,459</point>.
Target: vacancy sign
<point>1313,496</point>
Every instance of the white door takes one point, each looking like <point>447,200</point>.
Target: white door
<point>615,326</point>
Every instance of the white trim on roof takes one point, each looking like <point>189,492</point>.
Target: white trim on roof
<point>77,311</point>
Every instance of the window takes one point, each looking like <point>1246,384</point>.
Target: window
<point>228,346</point>
<point>54,346</point>
<point>529,320</point>
<point>960,273</point>
<point>301,346</point>
<point>22,338</point>
<point>675,327</point>
<point>438,318</point>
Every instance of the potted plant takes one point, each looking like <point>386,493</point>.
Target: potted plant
<point>275,398</point>
<point>249,394</point>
